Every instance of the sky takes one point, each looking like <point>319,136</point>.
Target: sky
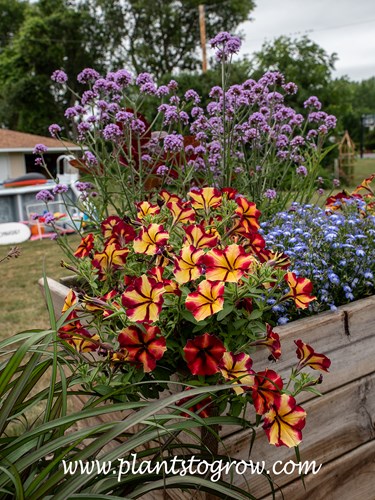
<point>346,27</point>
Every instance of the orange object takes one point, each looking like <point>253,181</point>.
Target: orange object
<point>30,182</point>
<point>36,229</point>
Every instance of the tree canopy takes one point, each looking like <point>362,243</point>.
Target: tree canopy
<point>301,61</point>
<point>163,36</point>
<point>36,38</point>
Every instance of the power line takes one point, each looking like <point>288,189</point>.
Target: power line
<point>315,30</point>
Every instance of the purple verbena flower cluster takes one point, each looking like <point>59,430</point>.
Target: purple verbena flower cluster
<point>225,45</point>
<point>44,195</point>
<point>60,188</point>
<point>40,149</point>
<point>59,76</point>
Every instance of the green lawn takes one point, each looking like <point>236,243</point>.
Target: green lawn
<point>22,305</point>
<point>362,169</point>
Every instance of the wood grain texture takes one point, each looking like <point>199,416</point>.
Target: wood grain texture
<point>349,477</point>
<point>336,424</point>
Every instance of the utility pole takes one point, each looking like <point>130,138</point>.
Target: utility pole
<point>202,29</point>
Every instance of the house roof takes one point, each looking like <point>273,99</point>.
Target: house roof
<point>14,142</point>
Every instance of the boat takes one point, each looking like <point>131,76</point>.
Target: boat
<point>30,179</point>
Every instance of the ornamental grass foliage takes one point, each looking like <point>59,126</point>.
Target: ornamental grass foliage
<point>247,137</point>
<point>333,247</point>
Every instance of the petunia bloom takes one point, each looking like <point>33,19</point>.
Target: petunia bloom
<point>169,197</point>
<point>146,208</point>
<point>237,369</point>
<point>267,385</point>
<point>182,212</point>
<point>109,260</point>
<point>205,198</point>
<point>85,247</point>
<point>254,242</point>
<point>104,305</point>
<point>272,342</point>
<point>72,321</point>
<point>81,340</point>
<point>207,300</point>
<point>308,357</point>
<point>300,290</point>
<point>108,224</point>
<point>186,267</point>
<point>170,286</point>
<point>203,354</point>
<point>284,422</point>
<point>199,238</point>
<point>279,260</point>
<point>230,193</point>
<point>365,185</point>
<point>248,214</point>
<point>143,347</point>
<point>143,299</point>
<point>151,239</point>
<point>121,234</point>
<point>229,264</point>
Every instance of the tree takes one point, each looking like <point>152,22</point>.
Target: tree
<point>162,36</point>
<point>302,61</point>
<point>53,34</point>
<point>159,37</point>
<point>12,14</point>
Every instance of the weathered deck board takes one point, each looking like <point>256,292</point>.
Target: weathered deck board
<point>349,477</point>
<point>336,424</point>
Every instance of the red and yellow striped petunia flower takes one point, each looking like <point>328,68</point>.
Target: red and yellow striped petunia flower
<point>143,300</point>
<point>308,357</point>
<point>186,267</point>
<point>207,300</point>
<point>284,421</point>
<point>145,208</point>
<point>300,290</point>
<point>236,368</point>
<point>151,239</point>
<point>271,341</point>
<point>121,234</point>
<point>205,198</point>
<point>108,224</point>
<point>228,265</point>
<point>143,347</point>
<point>267,385</point>
<point>203,354</point>
<point>182,212</point>
<point>85,246</point>
<point>199,238</point>
<point>109,260</point>
<point>248,213</point>
<point>169,197</point>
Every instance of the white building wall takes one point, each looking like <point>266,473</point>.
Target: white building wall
<point>17,165</point>
<point>5,171</point>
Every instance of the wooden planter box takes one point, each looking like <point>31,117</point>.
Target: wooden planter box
<point>340,426</point>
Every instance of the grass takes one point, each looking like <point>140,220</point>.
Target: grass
<point>362,169</point>
<point>22,305</point>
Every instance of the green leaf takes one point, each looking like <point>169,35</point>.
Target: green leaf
<point>189,317</point>
<point>236,407</point>
<point>257,313</point>
<point>225,311</point>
